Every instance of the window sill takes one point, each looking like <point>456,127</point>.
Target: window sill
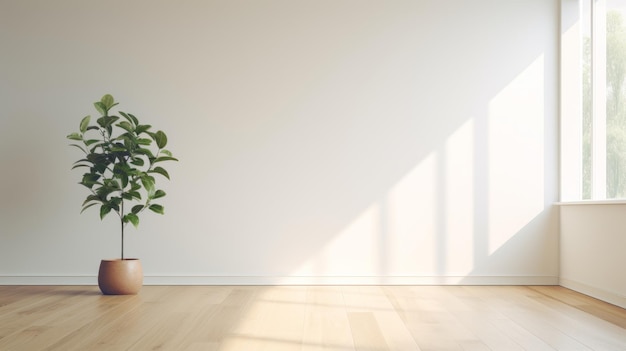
<point>592,202</point>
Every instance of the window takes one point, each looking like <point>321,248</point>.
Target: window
<point>593,106</point>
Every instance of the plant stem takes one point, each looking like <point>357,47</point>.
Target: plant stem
<point>122,225</point>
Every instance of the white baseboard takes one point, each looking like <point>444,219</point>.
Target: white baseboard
<point>47,280</point>
<point>350,280</point>
<point>604,295</point>
<point>293,280</point>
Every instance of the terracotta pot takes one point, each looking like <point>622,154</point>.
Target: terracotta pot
<point>120,277</point>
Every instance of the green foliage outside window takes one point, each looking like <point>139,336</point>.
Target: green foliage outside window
<point>615,110</point>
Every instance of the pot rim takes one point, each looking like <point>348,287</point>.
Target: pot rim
<point>119,259</point>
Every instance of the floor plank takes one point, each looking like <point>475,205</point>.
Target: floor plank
<point>307,318</point>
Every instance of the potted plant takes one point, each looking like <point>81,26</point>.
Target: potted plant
<point>121,159</point>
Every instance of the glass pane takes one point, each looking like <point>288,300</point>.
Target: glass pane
<point>615,99</point>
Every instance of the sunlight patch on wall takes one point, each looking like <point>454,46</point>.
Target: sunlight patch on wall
<point>412,214</point>
<point>458,196</point>
<point>352,252</point>
<point>516,154</point>
<point>424,225</point>
<point>393,236</point>
<point>477,189</point>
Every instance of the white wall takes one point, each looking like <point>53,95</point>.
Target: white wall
<point>593,239</point>
<point>319,141</point>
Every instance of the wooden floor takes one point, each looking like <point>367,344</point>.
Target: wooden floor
<point>308,318</point>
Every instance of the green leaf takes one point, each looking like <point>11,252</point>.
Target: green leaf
<point>104,210</point>
<point>164,158</point>
<point>120,149</point>
<point>144,141</point>
<point>82,160</point>
<point>91,198</point>
<point>80,147</point>
<point>115,202</point>
<point>90,179</point>
<point>88,185</point>
<point>101,122</point>
<point>122,169</point>
<point>104,191</point>
<point>124,178</point>
<point>128,118</point>
<point>91,141</point>
<point>107,121</point>
<point>135,120</point>
<point>86,207</point>
<point>158,194</point>
<point>136,209</point>
<point>142,128</point>
<point>100,167</point>
<point>81,165</point>
<point>137,162</point>
<point>100,107</point>
<point>134,186</point>
<point>75,136</point>
<point>113,184</point>
<point>130,141</point>
<point>157,208</point>
<point>107,100</point>
<point>84,123</point>
<point>166,152</point>
<point>144,151</point>
<point>132,218</point>
<point>160,138</point>
<point>126,126</point>
<point>148,184</point>
<point>161,171</point>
